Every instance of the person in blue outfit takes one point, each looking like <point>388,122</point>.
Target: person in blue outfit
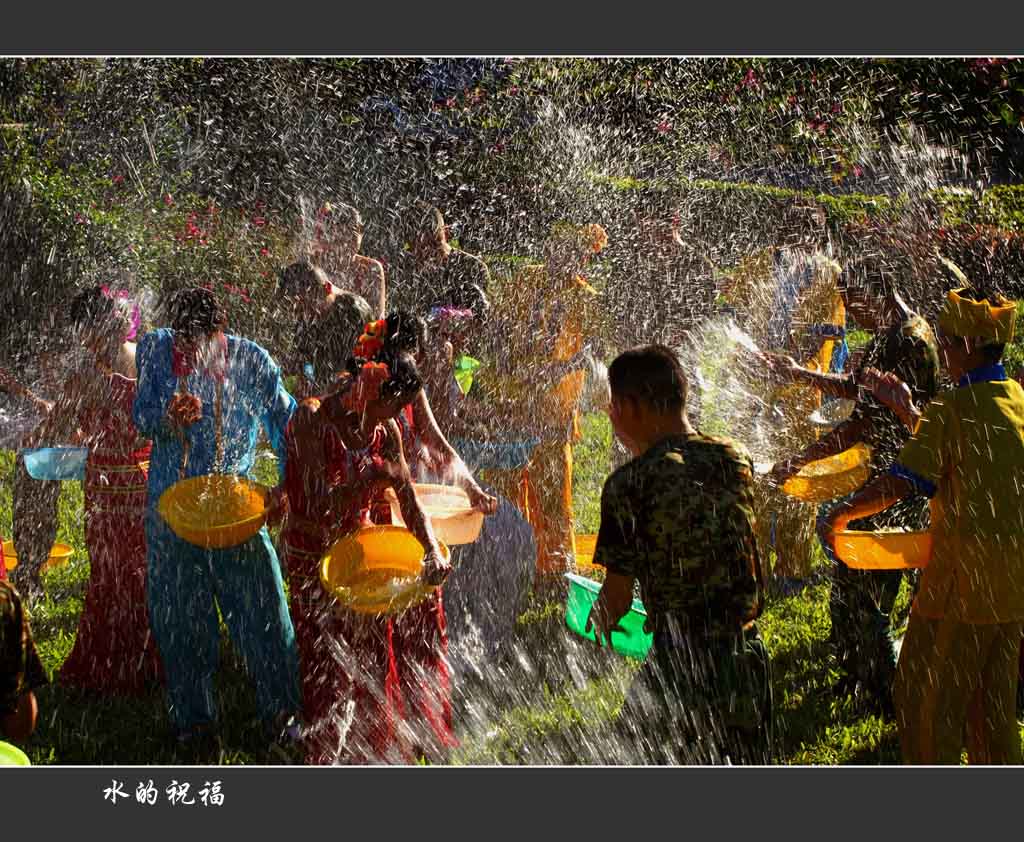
<point>202,397</point>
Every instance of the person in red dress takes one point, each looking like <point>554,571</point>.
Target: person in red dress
<point>114,651</point>
<point>375,687</point>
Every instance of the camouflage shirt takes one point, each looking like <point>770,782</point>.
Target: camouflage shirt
<point>680,519</point>
<point>20,667</point>
<point>908,350</point>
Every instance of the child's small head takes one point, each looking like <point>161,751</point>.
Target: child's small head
<point>426,230</point>
<point>648,391</point>
<point>974,327</point>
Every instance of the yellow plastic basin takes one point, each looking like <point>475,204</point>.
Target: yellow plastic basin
<point>829,478</point>
<point>376,570</point>
<point>454,520</point>
<point>59,555</point>
<point>214,512</point>
<point>884,550</point>
<point>585,546</point>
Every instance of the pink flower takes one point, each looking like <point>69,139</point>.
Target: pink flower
<point>858,171</point>
<point>750,80</point>
<point>664,127</point>
<point>259,221</point>
<point>264,252</point>
<point>81,220</point>
<point>168,199</point>
<point>792,100</point>
<point>117,179</point>
<point>513,90</point>
<point>450,102</point>
<point>837,108</point>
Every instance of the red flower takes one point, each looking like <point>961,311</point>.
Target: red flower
<point>750,80</point>
<point>264,252</point>
<point>837,108</point>
<point>857,171</point>
<point>259,221</point>
<point>81,220</point>
<point>168,199</point>
<point>664,127</point>
<point>450,102</point>
<point>791,100</point>
<point>117,179</point>
<point>513,90</point>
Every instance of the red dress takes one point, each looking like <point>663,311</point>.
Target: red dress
<point>114,651</point>
<point>374,689</point>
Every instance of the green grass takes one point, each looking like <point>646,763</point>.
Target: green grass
<point>552,704</point>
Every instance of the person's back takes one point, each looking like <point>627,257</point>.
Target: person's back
<point>690,498</point>
<point>678,520</point>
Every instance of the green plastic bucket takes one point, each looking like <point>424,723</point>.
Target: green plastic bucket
<point>12,756</point>
<point>634,642</point>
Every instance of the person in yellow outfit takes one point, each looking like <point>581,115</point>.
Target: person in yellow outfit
<point>958,664</point>
<point>788,298</point>
<point>554,325</point>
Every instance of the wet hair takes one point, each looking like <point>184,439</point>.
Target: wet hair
<point>426,221</point>
<point>327,343</point>
<point>300,277</point>
<point>90,306</point>
<point>405,331</point>
<point>195,311</point>
<point>337,216</point>
<point>404,377</point>
<point>651,374</point>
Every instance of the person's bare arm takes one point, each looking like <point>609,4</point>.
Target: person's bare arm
<point>435,441</point>
<point>834,385</point>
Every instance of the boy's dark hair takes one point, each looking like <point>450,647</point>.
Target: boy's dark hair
<point>652,374</point>
<point>90,305</point>
<point>195,310</point>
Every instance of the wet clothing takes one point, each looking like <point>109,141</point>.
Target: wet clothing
<point>185,580</point>
<point>959,661</point>
<point>446,283</point>
<point>543,492</point>
<point>375,689</point>
<point>21,671</point>
<point>679,519</point>
<point>861,601</point>
<point>114,651</point>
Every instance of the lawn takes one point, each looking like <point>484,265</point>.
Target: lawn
<point>551,701</point>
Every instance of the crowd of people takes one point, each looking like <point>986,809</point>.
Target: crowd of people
<point>367,402</point>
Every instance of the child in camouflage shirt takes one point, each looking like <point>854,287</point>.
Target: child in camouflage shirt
<point>679,520</point>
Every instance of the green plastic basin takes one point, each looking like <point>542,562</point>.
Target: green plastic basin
<point>633,642</point>
<point>12,756</point>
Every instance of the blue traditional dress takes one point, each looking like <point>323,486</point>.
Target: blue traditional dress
<point>185,580</point>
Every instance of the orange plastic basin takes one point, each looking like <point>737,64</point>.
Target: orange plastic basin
<point>59,555</point>
<point>884,550</point>
<point>454,520</point>
<point>829,478</point>
<point>214,512</point>
<point>376,570</point>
